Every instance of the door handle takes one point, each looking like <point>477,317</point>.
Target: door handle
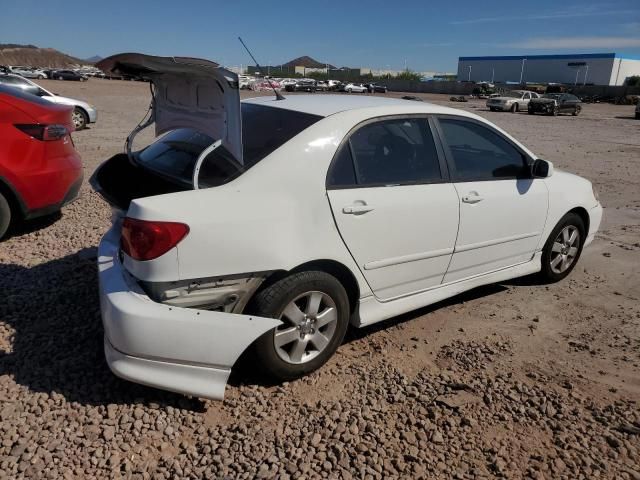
<point>356,209</point>
<point>472,198</point>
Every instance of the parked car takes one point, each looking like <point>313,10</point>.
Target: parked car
<point>40,170</point>
<point>322,86</point>
<point>28,72</point>
<point>376,88</point>
<point>303,85</point>
<point>511,101</point>
<point>68,75</point>
<point>83,112</point>
<point>334,84</point>
<point>555,104</point>
<point>355,87</point>
<point>290,220</point>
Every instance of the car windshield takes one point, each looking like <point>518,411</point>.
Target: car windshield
<point>555,96</point>
<point>264,129</point>
<point>512,94</point>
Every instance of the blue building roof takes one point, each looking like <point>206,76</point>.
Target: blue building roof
<point>542,57</point>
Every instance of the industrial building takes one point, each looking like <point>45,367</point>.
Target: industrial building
<point>578,69</point>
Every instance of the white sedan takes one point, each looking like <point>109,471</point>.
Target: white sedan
<point>355,88</point>
<point>277,223</point>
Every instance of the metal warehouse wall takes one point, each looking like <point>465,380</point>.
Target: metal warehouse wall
<point>552,69</point>
<point>622,69</point>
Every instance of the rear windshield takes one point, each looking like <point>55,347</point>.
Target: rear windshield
<point>264,129</point>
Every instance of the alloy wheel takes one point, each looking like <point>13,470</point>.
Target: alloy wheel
<point>565,249</point>
<point>78,119</point>
<point>309,324</point>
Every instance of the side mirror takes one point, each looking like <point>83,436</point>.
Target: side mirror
<point>541,168</point>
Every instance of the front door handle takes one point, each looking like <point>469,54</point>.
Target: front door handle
<point>472,198</point>
<point>356,209</point>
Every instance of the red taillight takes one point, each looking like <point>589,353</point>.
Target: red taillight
<point>46,133</point>
<point>146,240</point>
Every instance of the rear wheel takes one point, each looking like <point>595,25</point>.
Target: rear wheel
<point>314,309</point>
<point>556,111</point>
<point>563,248</point>
<point>5,215</point>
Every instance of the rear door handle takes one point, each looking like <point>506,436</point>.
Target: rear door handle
<point>472,198</point>
<point>356,209</point>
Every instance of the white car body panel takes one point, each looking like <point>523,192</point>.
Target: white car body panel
<point>411,255</point>
<point>493,232</point>
<point>278,216</point>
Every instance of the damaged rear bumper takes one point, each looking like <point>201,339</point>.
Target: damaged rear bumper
<point>185,350</point>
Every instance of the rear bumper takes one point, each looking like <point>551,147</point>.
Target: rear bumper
<point>184,350</point>
<point>72,194</point>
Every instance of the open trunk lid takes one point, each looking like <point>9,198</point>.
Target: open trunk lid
<point>188,95</point>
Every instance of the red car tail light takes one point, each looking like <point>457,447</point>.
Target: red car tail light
<point>46,133</point>
<point>146,240</point>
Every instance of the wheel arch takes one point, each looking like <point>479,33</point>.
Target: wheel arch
<point>341,272</point>
<point>584,216</point>
<point>16,204</point>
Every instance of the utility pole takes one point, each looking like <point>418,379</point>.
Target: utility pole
<point>522,70</point>
<point>577,72</point>
<point>469,67</point>
<point>493,74</point>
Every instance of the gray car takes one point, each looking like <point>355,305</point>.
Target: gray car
<point>512,101</point>
<point>83,112</point>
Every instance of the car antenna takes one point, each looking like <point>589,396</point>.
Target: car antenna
<point>278,95</point>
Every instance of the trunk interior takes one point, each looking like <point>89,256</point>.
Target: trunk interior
<point>119,181</point>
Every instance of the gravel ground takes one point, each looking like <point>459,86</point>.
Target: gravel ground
<point>517,380</point>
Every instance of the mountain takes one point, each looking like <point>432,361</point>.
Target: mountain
<point>306,62</point>
<point>30,55</point>
<point>94,59</point>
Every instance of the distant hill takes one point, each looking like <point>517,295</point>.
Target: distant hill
<point>30,55</point>
<point>306,62</point>
<point>94,59</point>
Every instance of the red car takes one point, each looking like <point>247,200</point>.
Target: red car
<point>40,169</point>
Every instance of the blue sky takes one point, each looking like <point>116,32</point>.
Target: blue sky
<point>426,34</point>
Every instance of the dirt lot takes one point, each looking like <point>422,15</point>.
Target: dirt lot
<point>518,380</point>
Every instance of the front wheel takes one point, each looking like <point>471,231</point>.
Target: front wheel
<point>563,248</point>
<point>79,118</point>
<point>514,108</point>
<point>314,309</point>
<point>576,111</point>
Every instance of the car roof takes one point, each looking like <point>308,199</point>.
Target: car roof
<point>325,105</point>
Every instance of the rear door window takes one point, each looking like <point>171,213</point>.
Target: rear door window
<point>388,152</point>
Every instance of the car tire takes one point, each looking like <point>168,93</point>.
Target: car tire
<point>637,116</point>
<point>5,215</point>
<point>492,109</point>
<point>514,108</point>
<point>289,351</point>
<point>79,118</point>
<point>348,90</point>
<point>561,252</point>
<point>556,111</point>
<point>59,78</point>
<point>576,111</point>
<point>530,112</point>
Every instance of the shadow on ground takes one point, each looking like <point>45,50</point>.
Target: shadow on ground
<point>57,343</point>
